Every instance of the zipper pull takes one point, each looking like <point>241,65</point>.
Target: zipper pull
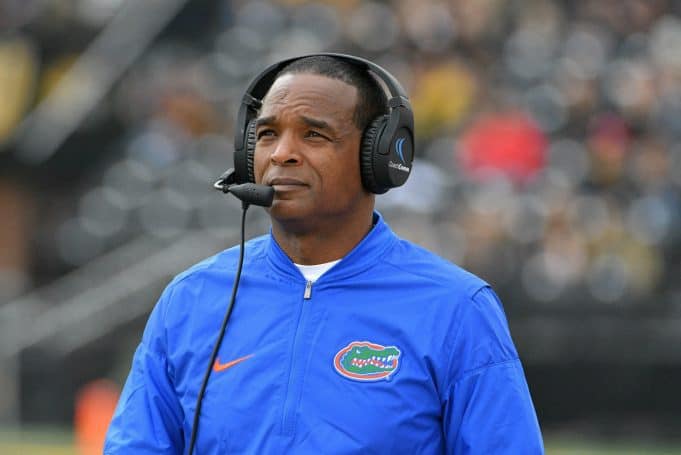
<point>308,290</point>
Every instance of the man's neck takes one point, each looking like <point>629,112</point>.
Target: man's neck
<point>320,244</point>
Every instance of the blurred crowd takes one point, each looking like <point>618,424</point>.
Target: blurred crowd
<point>548,135</point>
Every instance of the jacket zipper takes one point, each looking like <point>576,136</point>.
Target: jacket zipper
<point>308,290</point>
<point>290,402</point>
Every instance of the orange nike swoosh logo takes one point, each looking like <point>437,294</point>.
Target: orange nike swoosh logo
<point>217,366</point>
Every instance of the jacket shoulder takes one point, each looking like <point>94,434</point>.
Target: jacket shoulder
<point>224,261</point>
<point>421,263</point>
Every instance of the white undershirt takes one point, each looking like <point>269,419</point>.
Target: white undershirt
<point>313,272</point>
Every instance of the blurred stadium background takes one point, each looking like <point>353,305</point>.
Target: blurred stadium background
<point>548,162</point>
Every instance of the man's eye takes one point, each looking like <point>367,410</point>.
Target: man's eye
<point>315,134</point>
<point>265,133</point>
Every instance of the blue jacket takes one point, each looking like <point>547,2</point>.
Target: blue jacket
<point>392,351</point>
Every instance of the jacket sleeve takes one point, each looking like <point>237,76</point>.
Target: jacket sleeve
<point>148,418</point>
<point>487,405</point>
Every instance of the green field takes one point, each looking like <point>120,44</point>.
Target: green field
<point>52,441</point>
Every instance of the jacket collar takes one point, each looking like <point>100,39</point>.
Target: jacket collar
<point>364,255</point>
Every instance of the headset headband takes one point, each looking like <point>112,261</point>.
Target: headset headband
<point>260,85</point>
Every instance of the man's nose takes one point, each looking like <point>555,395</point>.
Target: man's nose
<point>285,151</point>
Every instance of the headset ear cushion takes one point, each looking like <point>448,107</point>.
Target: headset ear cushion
<point>367,150</point>
<point>251,140</point>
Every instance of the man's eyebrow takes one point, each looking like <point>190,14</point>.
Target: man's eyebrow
<point>321,124</point>
<point>264,121</point>
<point>313,122</point>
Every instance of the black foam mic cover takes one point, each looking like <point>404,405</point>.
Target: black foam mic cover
<point>252,193</point>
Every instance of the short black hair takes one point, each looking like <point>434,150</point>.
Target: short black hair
<point>371,98</point>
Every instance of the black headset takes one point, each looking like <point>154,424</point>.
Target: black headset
<point>387,146</point>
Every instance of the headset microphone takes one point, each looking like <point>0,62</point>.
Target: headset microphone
<point>248,193</point>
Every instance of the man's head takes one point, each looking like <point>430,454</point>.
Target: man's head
<point>371,102</point>
<point>308,136</point>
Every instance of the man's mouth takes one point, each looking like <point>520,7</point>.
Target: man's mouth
<point>281,184</point>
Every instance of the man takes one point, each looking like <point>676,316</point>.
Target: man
<point>344,338</point>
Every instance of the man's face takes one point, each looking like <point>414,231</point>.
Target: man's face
<point>308,150</point>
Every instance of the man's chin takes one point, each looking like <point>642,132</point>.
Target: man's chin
<point>288,210</point>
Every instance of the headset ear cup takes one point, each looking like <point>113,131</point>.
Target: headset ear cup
<point>367,151</point>
<point>251,140</point>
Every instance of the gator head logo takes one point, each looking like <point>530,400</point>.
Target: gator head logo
<point>365,361</point>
